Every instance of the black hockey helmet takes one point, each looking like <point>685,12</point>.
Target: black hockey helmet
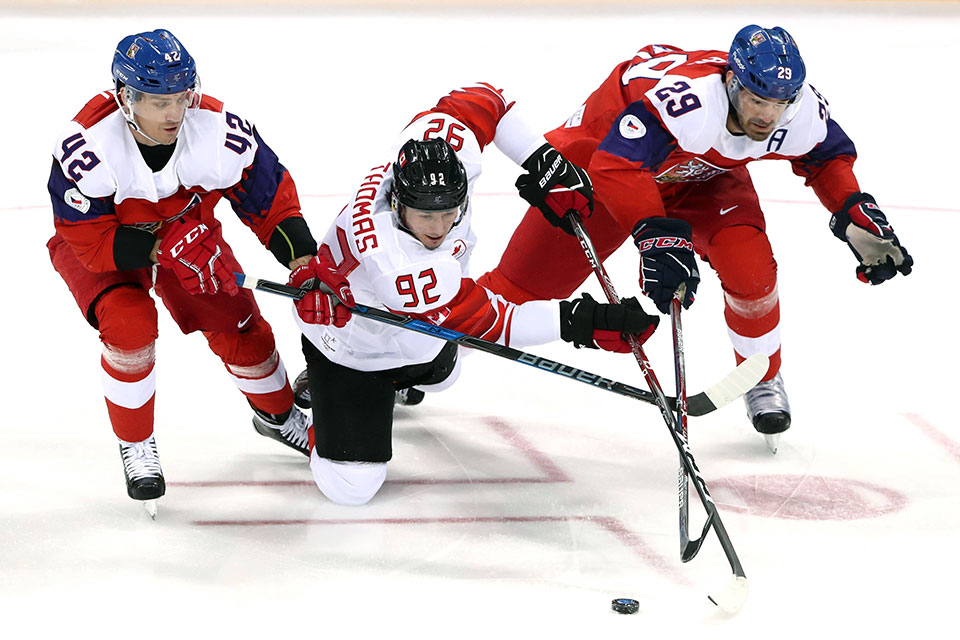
<point>428,176</point>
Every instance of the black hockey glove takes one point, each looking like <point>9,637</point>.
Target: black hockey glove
<point>588,324</point>
<point>865,229</point>
<point>555,185</point>
<point>667,260</point>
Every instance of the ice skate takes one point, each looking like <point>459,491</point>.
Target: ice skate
<point>141,468</point>
<point>409,396</point>
<point>301,391</point>
<point>290,429</point>
<point>769,410</point>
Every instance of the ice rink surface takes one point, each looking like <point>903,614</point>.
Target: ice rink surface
<point>517,504</point>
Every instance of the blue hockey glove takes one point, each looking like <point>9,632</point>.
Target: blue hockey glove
<point>667,260</point>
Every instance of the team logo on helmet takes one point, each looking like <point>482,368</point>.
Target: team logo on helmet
<point>402,160</point>
<point>757,38</point>
<point>132,51</point>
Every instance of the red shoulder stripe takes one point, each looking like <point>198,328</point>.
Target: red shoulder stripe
<point>96,110</point>
<point>210,103</point>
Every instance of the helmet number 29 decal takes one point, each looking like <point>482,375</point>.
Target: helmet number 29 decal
<point>452,137</point>
<point>679,101</point>
<point>785,73</point>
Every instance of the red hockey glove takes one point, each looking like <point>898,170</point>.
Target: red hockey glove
<point>865,229</point>
<point>555,185</point>
<point>667,260</point>
<point>588,324</point>
<point>318,305</point>
<point>193,253</point>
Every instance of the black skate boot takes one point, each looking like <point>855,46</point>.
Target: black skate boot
<point>409,397</point>
<point>290,428</point>
<point>769,410</point>
<point>141,468</point>
<point>301,391</point>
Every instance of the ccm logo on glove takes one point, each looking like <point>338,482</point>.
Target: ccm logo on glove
<point>175,250</point>
<point>665,243</point>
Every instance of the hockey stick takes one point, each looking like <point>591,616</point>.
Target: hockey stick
<point>700,404</point>
<point>734,595</point>
<point>680,376</point>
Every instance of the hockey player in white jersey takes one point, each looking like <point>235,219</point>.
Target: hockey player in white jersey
<point>404,243</point>
<point>135,179</point>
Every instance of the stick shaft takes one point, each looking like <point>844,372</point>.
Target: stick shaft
<point>687,461</point>
<point>450,335</point>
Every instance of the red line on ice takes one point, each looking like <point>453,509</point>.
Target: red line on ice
<point>950,445</point>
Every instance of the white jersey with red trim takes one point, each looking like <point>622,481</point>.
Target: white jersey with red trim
<point>98,152</point>
<point>100,181</point>
<point>388,268</point>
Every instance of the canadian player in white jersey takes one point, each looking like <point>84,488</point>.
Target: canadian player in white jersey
<point>666,139</point>
<point>135,178</point>
<point>404,243</point>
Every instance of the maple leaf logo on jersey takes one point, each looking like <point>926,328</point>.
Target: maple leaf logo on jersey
<point>459,249</point>
<point>437,317</point>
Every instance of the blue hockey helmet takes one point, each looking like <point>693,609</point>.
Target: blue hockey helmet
<point>767,62</point>
<point>154,62</point>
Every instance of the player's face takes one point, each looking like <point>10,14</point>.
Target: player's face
<point>161,116</point>
<point>430,227</point>
<point>757,116</point>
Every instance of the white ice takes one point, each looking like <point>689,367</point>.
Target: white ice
<point>517,503</point>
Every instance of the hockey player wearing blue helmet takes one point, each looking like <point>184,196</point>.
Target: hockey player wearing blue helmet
<point>665,140</point>
<point>135,179</point>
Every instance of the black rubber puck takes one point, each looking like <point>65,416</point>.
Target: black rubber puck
<point>625,605</point>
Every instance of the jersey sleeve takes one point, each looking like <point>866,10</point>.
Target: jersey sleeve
<point>81,187</point>
<point>828,167</point>
<point>88,224</point>
<point>483,314</point>
<point>265,195</point>
<point>488,115</point>
<point>622,167</point>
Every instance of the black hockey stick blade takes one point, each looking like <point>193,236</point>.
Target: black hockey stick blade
<point>692,547</point>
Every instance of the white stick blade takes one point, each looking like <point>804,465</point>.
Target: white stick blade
<point>733,596</point>
<point>745,377</point>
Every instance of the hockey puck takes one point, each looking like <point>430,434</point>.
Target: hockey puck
<point>625,605</point>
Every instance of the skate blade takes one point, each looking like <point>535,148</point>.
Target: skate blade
<point>773,441</point>
<point>151,507</point>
